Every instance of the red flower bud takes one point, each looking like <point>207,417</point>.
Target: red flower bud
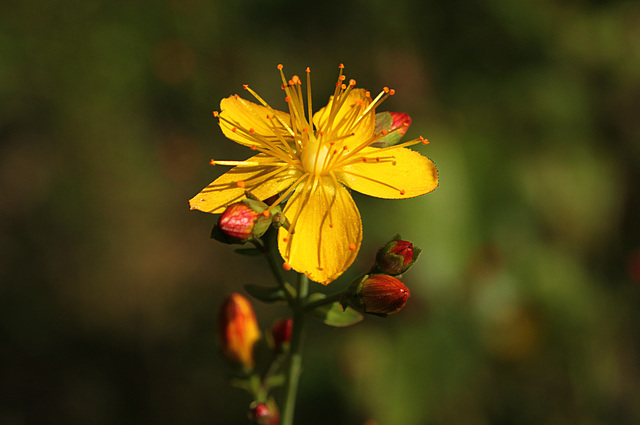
<point>281,333</point>
<point>381,294</point>
<point>238,330</point>
<point>264,413</point>
<point>401,122</point>
<point>396,257</point>
<point>241,222</point>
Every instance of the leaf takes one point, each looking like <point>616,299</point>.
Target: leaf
<point>267,294</point>
<point>384,121</point>
<point>333,315</point>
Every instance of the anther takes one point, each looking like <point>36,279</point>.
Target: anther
<point>392,92</point>
<point>280,66</point>
<point>253,147</point>
<point>216,113</point>
<point>352,82</point>
<point>367,94</point>
<point>245,86</point>
<point>286,266</point>
<point>402,192</point>
<point>331,225</point>
<point>343,86</point>
<point>341,66</point>
<point>251,130</point>
<point>240,183</point>
<point>342,78</point>
<point>352,246</point>
<point>304,130</point>
<point>386,89</point>
<point>287,99</point>
<point>266,213</point>
<point>234,129</point>
<point>285,240</point>
<point>212,162</point>
<point>307,70</point>
<point>385,132</point>
<point>296,80</point>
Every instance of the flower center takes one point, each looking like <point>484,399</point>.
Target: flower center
<point>314,157</point>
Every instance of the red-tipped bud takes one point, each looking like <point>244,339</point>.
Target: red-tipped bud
<point>264,413</point>
<point>281,333</point>
<point>238,330</point>
<point>380,294</point>
<point>401,122</point>
<point>390,127</point>
<point>241,222</point>
<point>396,257</point>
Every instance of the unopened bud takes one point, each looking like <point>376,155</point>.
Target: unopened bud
<point>401,122</point>
<point>396,257</point>
<point>241,222</point>
<point>281,333</point>
<point>238,330</point>
<point>264,413</point>
<point>380,294</point>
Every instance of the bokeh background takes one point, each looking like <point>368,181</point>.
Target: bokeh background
<point>525,305</point>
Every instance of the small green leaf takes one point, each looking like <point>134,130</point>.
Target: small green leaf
<point>333,315</point>
<point>250,252</point>
<point>389,140</point>
<point>267,294</point>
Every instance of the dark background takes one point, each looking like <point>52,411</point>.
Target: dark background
<point>525,305</point>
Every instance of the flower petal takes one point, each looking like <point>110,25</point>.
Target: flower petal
<point>263,180</point>
<point>245,116</point>
<point>327,230</point>
<point>350,111</point>
<point>401,173</point>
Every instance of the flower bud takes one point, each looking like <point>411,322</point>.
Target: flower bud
<point>380,294</point>
<point>401,122</point>
<point>396,257</point>
<point>238,330</point>
<point>241,222</point>
<point>281,333</point>
<point>264,413</point>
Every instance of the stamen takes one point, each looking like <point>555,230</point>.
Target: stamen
<point>286,266</point>
<point>352,246</point>
<point>240,183</point>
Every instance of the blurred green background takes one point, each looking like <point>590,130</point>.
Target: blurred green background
<point>525,306</point>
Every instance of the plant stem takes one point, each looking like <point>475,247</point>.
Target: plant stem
<point>324,301</point>
<point>294,365</point>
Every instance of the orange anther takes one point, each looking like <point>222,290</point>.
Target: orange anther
<point>253,147</point>
<point>266,213</point>
<point>377,159</point>
<point>251,130</point>
<point>352,246</point>
<point>212,162</point>
<point>245,86</point>
<point>280,66</point>
<point>286,266</point>
<point>234,129</point>
<point>342,78</point>
<point>216,113</point>
<point>240,183</point>
<point>287,99</point>
<point>386,89</point>
<point>392,92</point>
<point>308,69</point>
<point>402,192</point>
<point>352,82</point>
<point>285,239</point>
<point>343,86</point>
<point>385,132</point>
<point>367,93</point>
<point>341,66</point>
<point>331,225</point>
<point>296,80</point>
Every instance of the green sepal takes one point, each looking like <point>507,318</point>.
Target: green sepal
<point>333,314</point>
<point>384,121</point>
<point>267,294</point>
<point>249,252</point>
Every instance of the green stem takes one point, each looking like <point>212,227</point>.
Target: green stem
<point>269,252</point>
<point>294,365</point>
<point>324,301</point>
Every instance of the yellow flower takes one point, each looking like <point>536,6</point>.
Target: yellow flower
<point>314,161</point>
